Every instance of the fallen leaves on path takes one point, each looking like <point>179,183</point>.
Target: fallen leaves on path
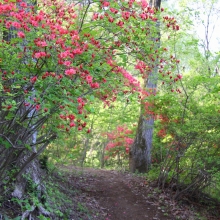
<point>113,195</point>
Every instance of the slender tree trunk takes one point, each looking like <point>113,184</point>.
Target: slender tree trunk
<point>140,154</point>
<point>102,154</point>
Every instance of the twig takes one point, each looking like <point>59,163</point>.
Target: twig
<point>87,8</point>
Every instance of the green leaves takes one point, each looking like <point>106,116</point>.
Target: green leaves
<point>91,98</point>
<point>5,143</point>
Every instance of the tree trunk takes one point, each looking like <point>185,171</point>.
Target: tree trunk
<point>140,153</point>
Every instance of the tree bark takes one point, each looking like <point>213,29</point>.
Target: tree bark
<point>140,153</point>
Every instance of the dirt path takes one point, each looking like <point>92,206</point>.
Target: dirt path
<point>113,195</point>
<point>114,192</point>
<point>122,196</point>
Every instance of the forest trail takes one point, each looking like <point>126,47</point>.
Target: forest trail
<point>121,195</point>
<point>120,199</point>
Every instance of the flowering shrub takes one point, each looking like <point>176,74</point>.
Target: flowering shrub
<point>55,58</point>
<point>119,142</point>
<point>64,62</point>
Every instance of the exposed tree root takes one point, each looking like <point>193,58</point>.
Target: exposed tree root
<point>27,213</point>
<point>41,211</point>
<point>44,212</point>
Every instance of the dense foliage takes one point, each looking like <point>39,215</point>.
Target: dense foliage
<point>75,73</point>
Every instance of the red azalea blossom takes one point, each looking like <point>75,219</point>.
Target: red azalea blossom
<point>21,34</point>
<point>72,124</point>
<point>105,4</point>
<point>70,72</point>
<point>37,107</point>
<point>33,79</point>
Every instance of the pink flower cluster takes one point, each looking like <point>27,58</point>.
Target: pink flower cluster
<point>119,138</point>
